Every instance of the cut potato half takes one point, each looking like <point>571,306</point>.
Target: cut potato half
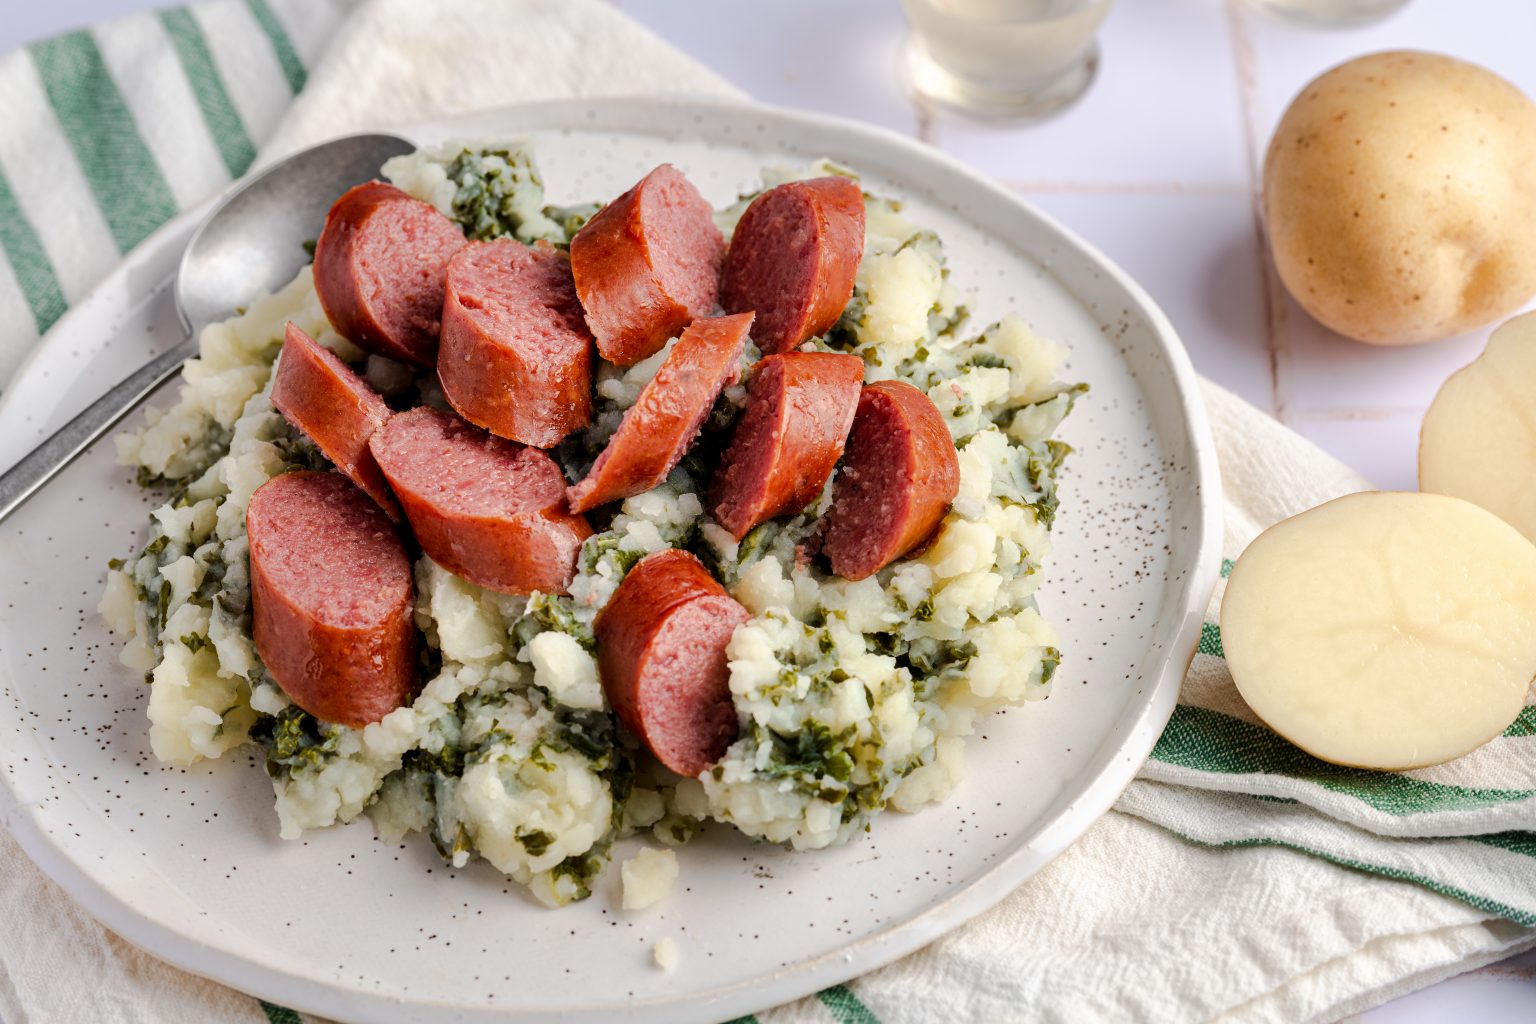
<point>1384,630</point>
<point>1479,436</point>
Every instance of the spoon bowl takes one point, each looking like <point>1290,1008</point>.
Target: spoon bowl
<point>252,241</point>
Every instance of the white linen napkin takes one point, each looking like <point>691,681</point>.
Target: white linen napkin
<point>1237,880</point>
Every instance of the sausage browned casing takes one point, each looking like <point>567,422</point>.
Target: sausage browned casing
<point>331,598</point>
<point>516,356</point>
<point>661,654</point>
<point>332,406</point>
<point>647,264</point>
<point>379,266</point>
<point>793,259</point>
<point>657,430</point>
<point>900,473</point>
<point>800,406</point>
<point>482,507</point>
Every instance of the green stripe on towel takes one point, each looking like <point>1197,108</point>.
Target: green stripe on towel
<point>1226,567</point>
<point>287,56</point>
<point>29,262</point>
<point>1522,917</point>
<point>1213,742</point>
<point>1524,723</point>
<point>845,1006</point>
<point>1210,640</point>
<point>1523,843</point>
<point>279,1014</point>
<point>122,173</point>
<point>213,100</point>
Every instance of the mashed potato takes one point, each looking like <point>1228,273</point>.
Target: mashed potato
<point>853,697</point>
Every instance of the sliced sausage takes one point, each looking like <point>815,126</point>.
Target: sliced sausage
<point>647,264</point>
<point>379,266</point>
<point>482,507</point>
<point>657,430</point>
<point>799,409</point>
<point>793,259</point>
<point>321,396</point>
<point>331,598</point>
<point>900,473</point>
<point>661,655</point>
<point>516,356</point>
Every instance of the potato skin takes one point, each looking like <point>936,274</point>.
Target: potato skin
<point>1400,200</point>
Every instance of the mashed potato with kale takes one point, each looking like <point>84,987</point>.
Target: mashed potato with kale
<point>853,697</point>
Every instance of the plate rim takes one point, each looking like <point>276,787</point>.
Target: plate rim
<point>780,985</point>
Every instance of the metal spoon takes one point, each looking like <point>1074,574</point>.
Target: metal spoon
<point>251,241</point>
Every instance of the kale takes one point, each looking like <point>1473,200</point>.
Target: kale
<point>989,360</point>
<point>293,739</point>
<point>499,194</point>
<point>559,614</point>
<point>589,733</point>
<point>447,848</point>
<point>194,642</point>
<point>536,843</point>
<point>449,761</point>
<point>812,754</point>
<point>572,218</point>
<point>1049,663</point>
<point>308,245</point>
<point>583,868</point>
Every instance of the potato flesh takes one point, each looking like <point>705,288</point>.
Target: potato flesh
<point>1384,630</point>
<point>1479,436</point>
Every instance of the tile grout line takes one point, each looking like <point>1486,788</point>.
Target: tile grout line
<point>1273,291</point>
<point>1156,188</point>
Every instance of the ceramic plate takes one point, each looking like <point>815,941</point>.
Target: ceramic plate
<point>187,863</point>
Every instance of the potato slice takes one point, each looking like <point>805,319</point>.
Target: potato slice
<point>1479,435</point>
<point>1384,630</point>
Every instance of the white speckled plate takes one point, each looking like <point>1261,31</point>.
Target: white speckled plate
<point>187,863</point>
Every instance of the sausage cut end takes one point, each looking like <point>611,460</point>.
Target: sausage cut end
<point>661,643</point>
<point>516,354</point>
<point>379,270</point>
<point>900,473</point>
<point>658,429</point>
<point>800,407</point>
<point>793,259</point>
<point>323,399</point>
<point>482,507</point>
<point>331,598</point>
<point>646,264</point>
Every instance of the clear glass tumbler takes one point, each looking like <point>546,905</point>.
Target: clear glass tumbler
<point>1331,12</point>
<point>1007,59</point>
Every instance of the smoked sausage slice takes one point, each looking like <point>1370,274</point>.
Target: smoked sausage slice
<point>661,655</point>
<point>483,508</point>
<point>799,409</point>
<point>516,356</point>
<point>900,473</point>
<point>657,430</point>
<point>321,396</point>
<point>793,259</point>
<point>379,266</point>
<point>647,264</point>
<point>331,598</point>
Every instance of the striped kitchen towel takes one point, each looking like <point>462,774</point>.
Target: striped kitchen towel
<point>1239,879</point>
<point>110,132</point>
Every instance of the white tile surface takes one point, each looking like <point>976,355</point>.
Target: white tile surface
<point>1154,167</point>
<point>1195,254</point>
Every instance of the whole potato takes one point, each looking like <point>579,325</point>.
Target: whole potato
<point>1400,197</point>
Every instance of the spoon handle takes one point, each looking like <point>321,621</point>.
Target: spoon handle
<point>37,467</point>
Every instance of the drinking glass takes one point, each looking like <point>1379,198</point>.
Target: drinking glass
<point>1014,59</point>
<point>1331,12</point>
